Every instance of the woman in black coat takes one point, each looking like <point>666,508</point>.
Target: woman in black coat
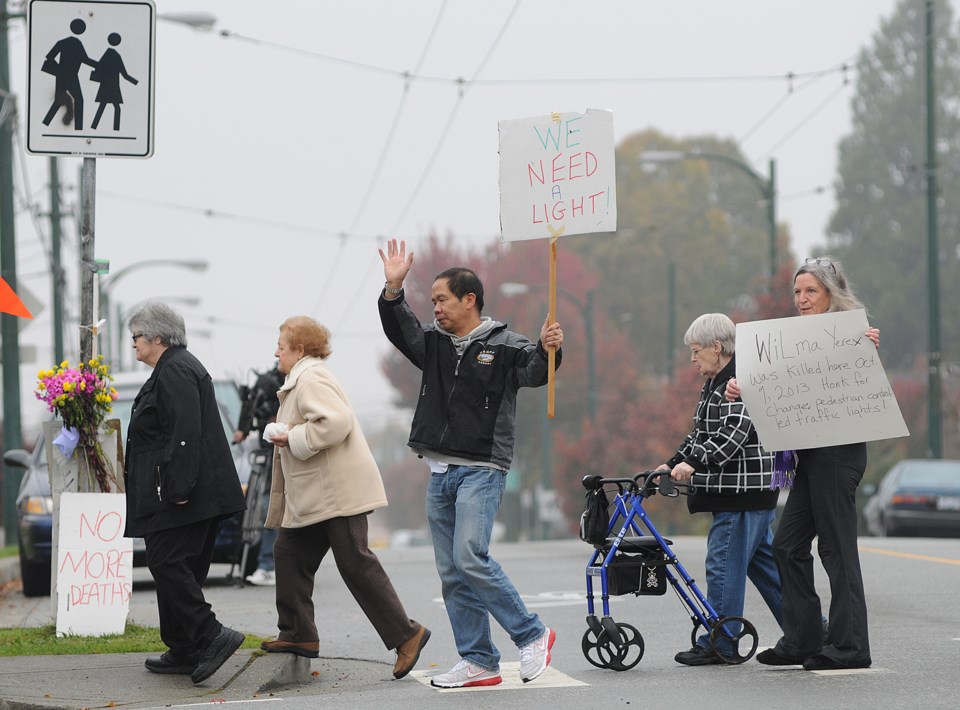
<point>180,482</point>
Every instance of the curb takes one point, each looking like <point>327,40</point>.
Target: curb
<point>9,571</point>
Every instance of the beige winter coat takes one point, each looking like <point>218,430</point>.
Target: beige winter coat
<point>326,470</point>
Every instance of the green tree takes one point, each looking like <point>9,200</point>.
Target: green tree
<point>707,221</point>
<point>879,227</point>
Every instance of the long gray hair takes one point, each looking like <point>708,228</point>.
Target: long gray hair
<point>158,320</point>
<point>829,272</point>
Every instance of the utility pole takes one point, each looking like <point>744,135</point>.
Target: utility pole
<point>934,446</point>
<point>12,436</point>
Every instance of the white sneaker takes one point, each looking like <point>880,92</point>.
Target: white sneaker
<point>466,675</point>
<point>535,658</point>
<point>262,578</point>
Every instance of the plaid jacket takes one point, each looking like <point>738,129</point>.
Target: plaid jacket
<point>733,472</point>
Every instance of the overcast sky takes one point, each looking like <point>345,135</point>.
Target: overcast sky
<point>287,151</point>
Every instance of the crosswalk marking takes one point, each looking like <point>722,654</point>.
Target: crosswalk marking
<point>551,678</point>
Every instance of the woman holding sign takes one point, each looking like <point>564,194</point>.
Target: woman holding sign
<point>822,504</point>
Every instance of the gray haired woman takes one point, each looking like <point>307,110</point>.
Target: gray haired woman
<point>822,505</point>
<point>180,482</point>
<point>731,472</point>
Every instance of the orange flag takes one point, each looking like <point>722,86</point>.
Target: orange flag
<point>11,303</point>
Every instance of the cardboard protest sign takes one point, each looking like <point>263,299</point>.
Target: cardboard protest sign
<point>557,175</point>
<point>813,381</point>
<point>94,565</point>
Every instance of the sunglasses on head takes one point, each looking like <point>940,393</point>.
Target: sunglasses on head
<point>825,263</point>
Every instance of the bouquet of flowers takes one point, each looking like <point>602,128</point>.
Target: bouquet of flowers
<point>82,397</point>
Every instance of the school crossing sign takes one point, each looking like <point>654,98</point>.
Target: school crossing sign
<point>90,78</point>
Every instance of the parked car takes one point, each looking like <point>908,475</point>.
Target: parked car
<point>35,503</point>
<point>917,497</point>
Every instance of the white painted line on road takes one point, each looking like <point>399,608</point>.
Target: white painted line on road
<point>215,701</point>
<point>551,678</point>
<point>851,671</point>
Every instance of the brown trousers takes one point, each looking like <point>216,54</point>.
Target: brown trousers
<point>298,553</point>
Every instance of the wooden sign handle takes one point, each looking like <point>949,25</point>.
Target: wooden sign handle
<point>551,319</point>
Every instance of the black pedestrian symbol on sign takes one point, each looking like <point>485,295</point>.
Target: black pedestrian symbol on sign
<point>108,72</point>
<point>67,93</point>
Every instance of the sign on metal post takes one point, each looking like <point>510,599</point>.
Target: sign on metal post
<point>90,78</point>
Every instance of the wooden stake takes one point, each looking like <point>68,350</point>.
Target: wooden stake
<point>551,319</point>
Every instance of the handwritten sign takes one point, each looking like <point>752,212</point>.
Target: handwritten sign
<point>557,175</point>
<point>814,381</point>
<point>94,565</point>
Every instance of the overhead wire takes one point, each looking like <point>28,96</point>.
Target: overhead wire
<point>361,284</point>
<point>381,161</point>
<point>805,120</point>
<point>792,90</point>
<point>408,76</point>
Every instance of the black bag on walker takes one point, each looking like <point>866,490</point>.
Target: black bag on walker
<point>596,518</point>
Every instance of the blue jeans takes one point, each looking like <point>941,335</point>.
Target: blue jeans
<point>739,545</point>
<point>268,536</point>
<point>461,507</point>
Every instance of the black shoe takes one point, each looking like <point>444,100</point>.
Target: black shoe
<point>697,656</point>
<point>216,653</point>
<point>819,662</point>
<point>173,664</point>
<point>770,657</point>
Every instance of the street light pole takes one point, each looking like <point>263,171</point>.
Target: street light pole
<point>108,283</point>
<point>766,185</point>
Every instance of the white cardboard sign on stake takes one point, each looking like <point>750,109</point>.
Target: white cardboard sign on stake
<point>94,565</point>
<point>557,175</point>
<point>814,381</point>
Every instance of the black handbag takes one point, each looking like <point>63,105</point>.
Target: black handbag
<point>595,520</point>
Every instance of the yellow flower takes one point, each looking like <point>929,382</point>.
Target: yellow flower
<point>68,386</point>
<point>42,386</point>
<point>83,385</point>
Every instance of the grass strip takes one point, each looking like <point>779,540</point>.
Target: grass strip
<point>43,641</point>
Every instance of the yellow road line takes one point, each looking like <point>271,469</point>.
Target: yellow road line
<point>909,555</point>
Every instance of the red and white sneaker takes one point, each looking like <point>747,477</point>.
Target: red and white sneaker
<point>466,675</point>
<point>535,657</point>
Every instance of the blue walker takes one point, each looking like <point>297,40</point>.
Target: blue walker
<point>635,559</point>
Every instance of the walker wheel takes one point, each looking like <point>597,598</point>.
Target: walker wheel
<point>589,646</point>
<point>726,628</point>
<point>631,647</point>
<point>618,654</point>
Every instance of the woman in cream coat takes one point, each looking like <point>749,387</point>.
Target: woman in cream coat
<point>325,483</point>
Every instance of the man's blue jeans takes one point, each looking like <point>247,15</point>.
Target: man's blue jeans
<point>739,545</point>
<point>462,504</point>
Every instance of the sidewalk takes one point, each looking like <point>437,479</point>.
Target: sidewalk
<point>120,680</point>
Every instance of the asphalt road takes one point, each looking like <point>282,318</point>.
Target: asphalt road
<point>912,585</point>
